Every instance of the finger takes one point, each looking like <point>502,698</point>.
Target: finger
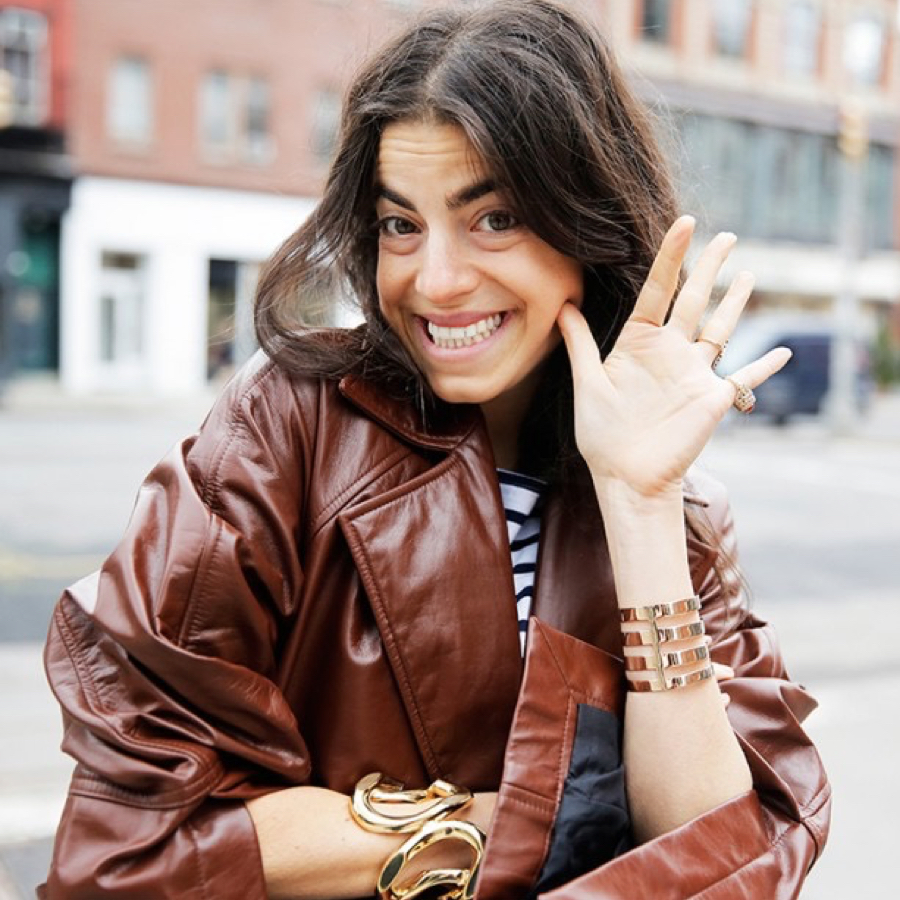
<point>717,330</point>
<point>584,354</point>
<point>694,296</point>
<point>659,288</point>
<point>754,374</point>
<point>726,699</point>
<point>722,672</point>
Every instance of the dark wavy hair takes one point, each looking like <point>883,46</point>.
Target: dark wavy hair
<point>539,95</point>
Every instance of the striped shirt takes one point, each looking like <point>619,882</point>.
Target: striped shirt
<point>521,501</point>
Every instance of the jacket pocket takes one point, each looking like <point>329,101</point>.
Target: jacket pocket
<point>561,809</point>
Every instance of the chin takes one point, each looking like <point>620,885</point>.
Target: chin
<point>462,393</point>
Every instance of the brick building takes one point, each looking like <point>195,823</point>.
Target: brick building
<point>754,93</point>
<point>35,177</point>
<point>201,131</point>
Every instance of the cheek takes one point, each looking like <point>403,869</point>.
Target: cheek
<point>383,288</point>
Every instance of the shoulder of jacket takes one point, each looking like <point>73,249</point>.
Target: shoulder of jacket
<point>263,412</point>
<point>706,491</point>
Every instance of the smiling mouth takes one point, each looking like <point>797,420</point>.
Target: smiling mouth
<point>448,338</point>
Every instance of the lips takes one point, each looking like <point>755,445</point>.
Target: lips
<point>450,337</point>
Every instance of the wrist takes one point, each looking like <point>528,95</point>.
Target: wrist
<point>617,498</point>
<point>647,543</point>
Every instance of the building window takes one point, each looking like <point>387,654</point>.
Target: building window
<point>217,118</point>
<point>880,227</point>
<point>731,27</point>
<point>802,29</point>
<point>257,126</point>
<point>656,21</point>
<point>762,181</point>
<point>121,338</point>
<point>129,101</point>
<point>326,123</point>
<point>23,44</point>
<point>235,118</point>
<point>864,49</point>
<point>230,336</point>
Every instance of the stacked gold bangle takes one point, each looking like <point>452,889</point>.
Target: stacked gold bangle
<point>664,646</point>
<point>430,826</point>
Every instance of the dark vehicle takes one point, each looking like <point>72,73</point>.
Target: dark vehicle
<point>801,387</point>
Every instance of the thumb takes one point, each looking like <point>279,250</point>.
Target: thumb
<point>584,354</point>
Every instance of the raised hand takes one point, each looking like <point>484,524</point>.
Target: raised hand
<point>643,414</point>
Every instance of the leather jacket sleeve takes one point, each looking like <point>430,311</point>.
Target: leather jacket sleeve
<point>163,663</point>
<point>760,844</point>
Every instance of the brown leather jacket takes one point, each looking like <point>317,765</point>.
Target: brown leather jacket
<point>315,587</point>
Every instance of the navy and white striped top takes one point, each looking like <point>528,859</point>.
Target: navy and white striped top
<point>521,501</point>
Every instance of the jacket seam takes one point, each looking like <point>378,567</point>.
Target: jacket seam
<point>197,592</point>
<point>85,682</point>
<point>719,881</point>
<point>235,419</point>
<point>385,465</point>
<point>539,803</point>
<point>201,869</point>
<point>86,783</point>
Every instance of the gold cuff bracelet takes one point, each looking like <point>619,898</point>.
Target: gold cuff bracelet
<point>375,788</point>
<point>691,658</point>
<point>459,884</point>
<point>430,826</point>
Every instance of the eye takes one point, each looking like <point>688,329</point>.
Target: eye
<point>498,220</point>
<point>396,226</point>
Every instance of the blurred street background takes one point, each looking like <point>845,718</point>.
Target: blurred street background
<point>153,154</point>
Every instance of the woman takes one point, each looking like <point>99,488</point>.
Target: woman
<point>319,585</point>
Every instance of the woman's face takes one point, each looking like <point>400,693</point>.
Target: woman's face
<point>472,294</point>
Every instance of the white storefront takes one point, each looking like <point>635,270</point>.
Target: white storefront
<point>137,280</point>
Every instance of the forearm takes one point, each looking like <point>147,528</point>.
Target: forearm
<point>311,847</point>
<point>681,755</point>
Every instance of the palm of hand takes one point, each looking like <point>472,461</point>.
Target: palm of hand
<point>647,416</point>
<point>643,414</point>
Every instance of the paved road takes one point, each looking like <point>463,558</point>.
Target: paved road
<point>819,530</point>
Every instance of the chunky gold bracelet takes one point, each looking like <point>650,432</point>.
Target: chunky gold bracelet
<point>375,788</point>
<point>458,884</point>
<point>656,629</point>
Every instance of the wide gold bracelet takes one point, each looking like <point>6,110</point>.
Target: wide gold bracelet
<point>458,884</point>
<point>433,827</point>
<point>376,788</point>
<point>657,626</point>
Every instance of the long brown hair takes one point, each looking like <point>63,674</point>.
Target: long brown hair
<point>539,95</point>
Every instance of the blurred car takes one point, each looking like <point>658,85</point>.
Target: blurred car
<point>801,387</point>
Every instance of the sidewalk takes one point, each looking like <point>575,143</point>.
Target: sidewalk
<point>33,771</point>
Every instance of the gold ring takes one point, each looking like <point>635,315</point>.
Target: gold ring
<point>374,788</point>
<point>744,399</point>
<point>720,348</point>
<point>461,882</point>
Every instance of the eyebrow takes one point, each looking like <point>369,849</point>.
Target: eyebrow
<point>457,200</point>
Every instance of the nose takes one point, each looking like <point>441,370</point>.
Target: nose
<point>445,272</point>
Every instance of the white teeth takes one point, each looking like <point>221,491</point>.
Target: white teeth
<point>451,338</point>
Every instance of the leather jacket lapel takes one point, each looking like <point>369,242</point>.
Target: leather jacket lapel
<point>574,590</point>
<point>449,629</point>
